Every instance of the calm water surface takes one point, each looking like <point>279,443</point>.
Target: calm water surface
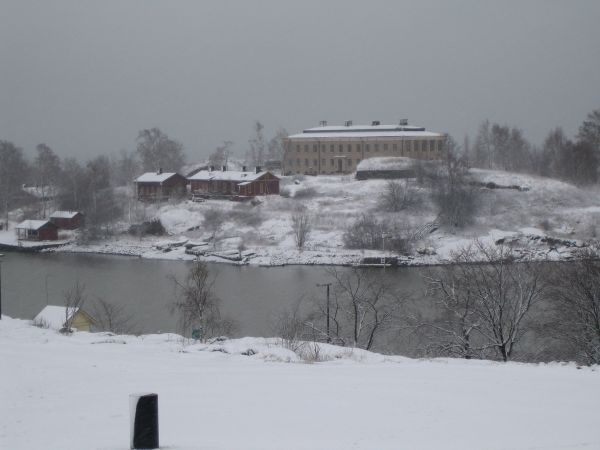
<point>253,296</point>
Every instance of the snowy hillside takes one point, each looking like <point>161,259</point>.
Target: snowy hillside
<point>71,393</point>
<point>525,209</point>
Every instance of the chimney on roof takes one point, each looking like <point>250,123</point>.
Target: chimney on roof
<point>211,168</point>
<point>323,123</point>
<point>159,171</point>
<point>403,121</point>
<point>375,123</point>
<point>258,168</point>
<point>348,123</point>
<point>244,169</point>
<point>224,168</point>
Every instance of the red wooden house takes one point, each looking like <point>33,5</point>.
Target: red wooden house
<point>160,185</point>
<point>67,220</point>
<point>244,183</point>
<point>37,230</point>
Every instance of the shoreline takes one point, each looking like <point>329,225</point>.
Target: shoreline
<point>261,257</point>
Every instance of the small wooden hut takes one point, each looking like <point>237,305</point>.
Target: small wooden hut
<point>56,317</point>
<point>160,185</point>
<point>37,230</point>
<point>67,220</point>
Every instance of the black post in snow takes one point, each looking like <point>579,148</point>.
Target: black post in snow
<point>143,409</point>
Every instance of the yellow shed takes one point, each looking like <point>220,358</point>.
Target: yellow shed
<point>55,317</point>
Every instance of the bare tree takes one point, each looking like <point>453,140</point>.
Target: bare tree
<point>74,298</point>
<point>453,196</point>
<point>363,307</point>
<point>257,151</point>
<point>576,291</point>
<point>213,223</point>
<point>220,157</point>
<point>276,145</point>
<point>111,317</point>
<point>301,227</point>
<point>488,294</point>
<point>47,172</point>
<point>13,168</point>
<point>397,196</point>
<point>196,303</point>
<point>157,151</point>
<point>589,131</point>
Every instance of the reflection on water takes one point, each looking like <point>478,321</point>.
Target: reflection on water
<point>253,296</point>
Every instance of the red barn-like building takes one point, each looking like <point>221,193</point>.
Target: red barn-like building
<point>160,185</point>
<point>224,182</point>
<point>37,230</point>
<point>67,220</point>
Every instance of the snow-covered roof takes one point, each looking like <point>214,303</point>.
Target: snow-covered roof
<point>363,131</point>
<point>154,177</point>
<point>386,163</point>
<point>54,316</point>
<point>32,224</point>
<point>64,214</point>
<point>228,175</point>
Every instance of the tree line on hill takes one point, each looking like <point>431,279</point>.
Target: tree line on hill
<point>89,186</point>
<point>502,147</point>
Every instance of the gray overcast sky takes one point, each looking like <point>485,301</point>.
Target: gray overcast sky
<point>86,76</point>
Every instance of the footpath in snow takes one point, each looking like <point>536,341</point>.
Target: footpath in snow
<point>71,392</point>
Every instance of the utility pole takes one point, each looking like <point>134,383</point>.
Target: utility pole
<point>327,285</point>
<point>1,255</point>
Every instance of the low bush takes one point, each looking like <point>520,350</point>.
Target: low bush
<point>369,233</point>
<point>152,227</point>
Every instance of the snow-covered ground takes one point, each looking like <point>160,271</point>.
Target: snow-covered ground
<point>543,208</point>
<point>71,392</point>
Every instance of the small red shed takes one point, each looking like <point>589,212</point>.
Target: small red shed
<point>67,220</point>
<point>37,230</point>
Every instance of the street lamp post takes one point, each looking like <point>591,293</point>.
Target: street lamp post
<point>327,285</point>
<point>1,255</point>
<point>383,236</point>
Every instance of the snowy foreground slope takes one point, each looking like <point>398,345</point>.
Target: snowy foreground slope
<point>65,393</point>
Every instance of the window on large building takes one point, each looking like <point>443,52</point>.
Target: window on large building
<point>297,147</point>
<point>331,148</point>
<point>341,148</point>
<point>367,148</point>
<point>315,149</point>
<point>298,161</point>
<point>315,162</point>
<point>349,148</point>
<point>305,147</point>
<point>395,147</point>
<point>385,147</point>
<point>358,148</point>
<point>306,162</point>
<point>332,162</point>
<point>376,147</point>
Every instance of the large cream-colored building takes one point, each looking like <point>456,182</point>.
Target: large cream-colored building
<point>338,149</point>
